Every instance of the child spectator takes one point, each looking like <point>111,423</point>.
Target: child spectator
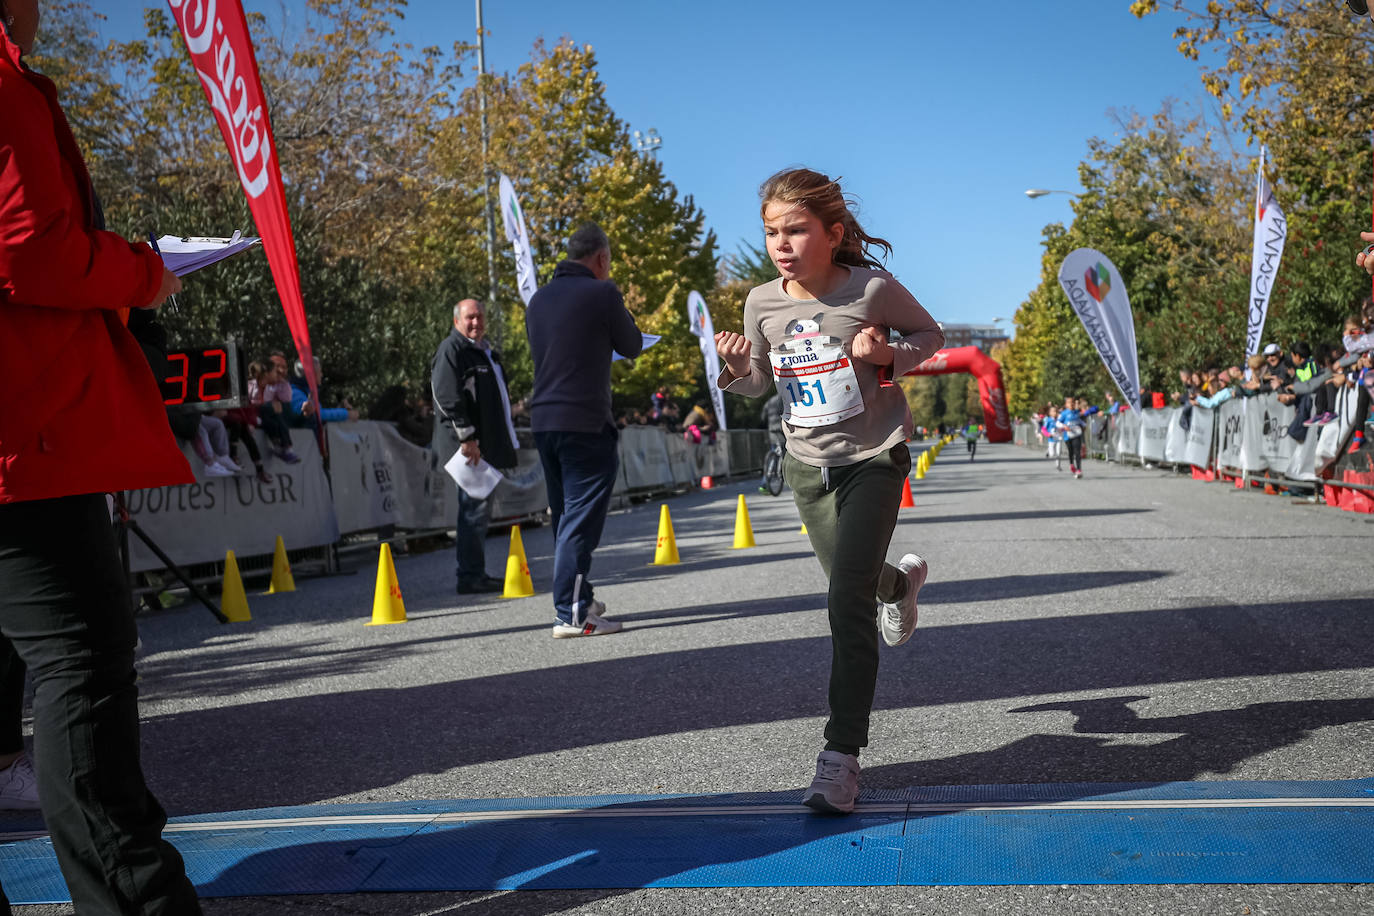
<point>271,395</point>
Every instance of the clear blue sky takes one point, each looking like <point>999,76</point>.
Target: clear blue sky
<point>938,115</point>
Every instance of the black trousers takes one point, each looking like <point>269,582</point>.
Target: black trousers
<point>1075,452</point>
<point>66,610</point>
<point>850,513</point>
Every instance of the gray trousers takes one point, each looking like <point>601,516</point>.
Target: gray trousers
<point>850,513</point>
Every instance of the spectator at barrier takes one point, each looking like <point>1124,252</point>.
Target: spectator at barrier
<point>82,417</point>
<point>239,424</point>
<point>473,416</point>
<point>657,401</point>
<point>395,406</point>
<point>302,411</point>
<point>699,426</point>
<point>574,324</point>
<point>270,393</point>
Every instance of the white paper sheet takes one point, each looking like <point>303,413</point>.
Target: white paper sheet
<point>476,480</point>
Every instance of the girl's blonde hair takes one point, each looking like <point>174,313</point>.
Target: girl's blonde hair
<point>823,198</point>
<point>256,370</point>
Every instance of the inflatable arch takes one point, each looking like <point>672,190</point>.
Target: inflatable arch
<point>989,374</point>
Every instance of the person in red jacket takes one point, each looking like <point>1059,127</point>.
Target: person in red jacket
<point>80,416</point>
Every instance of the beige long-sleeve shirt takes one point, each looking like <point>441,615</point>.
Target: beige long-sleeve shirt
<point>773,318</point>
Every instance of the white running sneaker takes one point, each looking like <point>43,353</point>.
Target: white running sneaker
<point>836,784</point>
<point>898,621</point>
<point>19,786</point>
<point>215,469</point>
<point>593,625</point>
<point>225,461</point>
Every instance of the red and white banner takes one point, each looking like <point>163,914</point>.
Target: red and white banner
<point>216,36</point>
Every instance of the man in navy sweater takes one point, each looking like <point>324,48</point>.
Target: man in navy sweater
<point>574,323</point>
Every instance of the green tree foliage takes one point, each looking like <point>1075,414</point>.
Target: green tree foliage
<point>380,150</point>
<point>1170,200</point>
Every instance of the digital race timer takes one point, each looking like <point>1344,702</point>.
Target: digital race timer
<point>204,378</point>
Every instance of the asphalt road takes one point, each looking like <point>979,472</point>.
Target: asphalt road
<point>1131,626</point>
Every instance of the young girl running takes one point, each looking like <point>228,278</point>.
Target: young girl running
<point>820,333</point>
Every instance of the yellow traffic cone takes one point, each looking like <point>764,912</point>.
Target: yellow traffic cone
<point>518,583</point>
<point>665,554</point>
<point>233,602</point>
<point>387,604</point>
<point>282,580</point>
<point>744,532</point>
<point>803,531</point>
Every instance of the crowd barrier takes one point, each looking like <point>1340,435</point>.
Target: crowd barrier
<point>378,481</point>
<point>1243,439</point>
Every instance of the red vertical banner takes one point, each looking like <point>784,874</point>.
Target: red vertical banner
<point>216,36</point>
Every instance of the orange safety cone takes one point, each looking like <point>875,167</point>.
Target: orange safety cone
<point>744,532</point>
<point>233,601</point>
<point>665,554</point>
<point>907,502</point>
<point>282,580</point>
<point>387,604</point>
<point>518,582</point>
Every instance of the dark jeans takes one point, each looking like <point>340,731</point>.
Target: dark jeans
<point>579,471</point>
<point>274,426</point>
<point>65,608</point>
<point>1075,452</point>
<point>972,448</point>
<point>474,515</point>
<point>850,518</point>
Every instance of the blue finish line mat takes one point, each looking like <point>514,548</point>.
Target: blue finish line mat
<point>1166,833</point>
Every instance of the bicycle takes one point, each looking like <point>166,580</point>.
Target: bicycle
<point>772,471</point>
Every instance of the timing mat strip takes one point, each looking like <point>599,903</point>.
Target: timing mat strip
<point>1170,833</point>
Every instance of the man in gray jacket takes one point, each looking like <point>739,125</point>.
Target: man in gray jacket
<point>472,415</point>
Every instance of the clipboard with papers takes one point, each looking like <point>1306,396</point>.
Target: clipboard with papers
<point>184,255</point>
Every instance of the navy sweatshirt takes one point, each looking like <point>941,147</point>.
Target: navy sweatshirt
<point>574,323</point>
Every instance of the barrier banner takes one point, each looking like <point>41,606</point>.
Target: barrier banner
<point>381,479</point>
<point>1198,450</point>
<point>1231,432</point>
<point>1154,430</point>
<point>514,221</point>
<point>1333,434</point>
<point>198,522</point>
<point>1128,434</point>
<point>1266,432</point>
<point>699,321</point>
<point>1098,296</point>
<point>221,50</point>
<point>1271,230</point>
<point>644,457</point>
<point>1302,464</point>
<point>523,493</point>
<point>1176,439</point>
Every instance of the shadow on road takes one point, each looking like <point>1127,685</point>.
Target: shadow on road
<point>347,742</point>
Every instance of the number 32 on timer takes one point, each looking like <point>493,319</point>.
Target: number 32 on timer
<point>197,379</point>
<point>800,393</point>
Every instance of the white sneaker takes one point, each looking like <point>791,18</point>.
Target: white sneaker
<point>19,786</point>
<point>898,621</point>
<point>836,784</point>
<point>215,469</point>
<point>594,625</point>
<point>225,461</point>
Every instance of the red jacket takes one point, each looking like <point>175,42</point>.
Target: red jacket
<point>80,411</point>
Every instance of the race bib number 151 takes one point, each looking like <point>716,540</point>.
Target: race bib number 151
<point>816,382</point>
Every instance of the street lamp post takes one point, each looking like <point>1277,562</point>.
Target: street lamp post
<point>493,307</point>
<point>647,143</point>
<point>1033,193</point>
